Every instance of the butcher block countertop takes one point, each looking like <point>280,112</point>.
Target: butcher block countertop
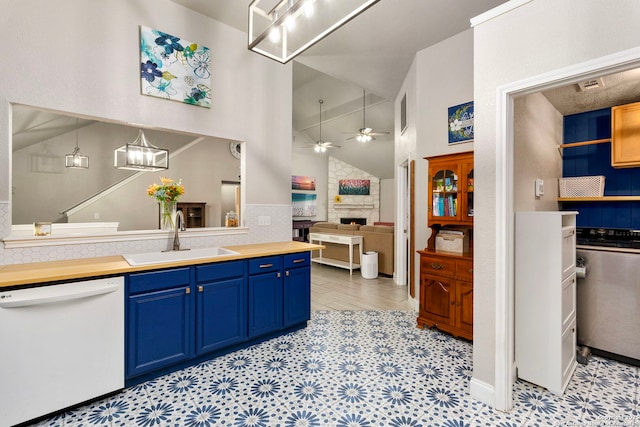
<point>58,271</point>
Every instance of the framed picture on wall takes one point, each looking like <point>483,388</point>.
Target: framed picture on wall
<point>303,204</point>
<point>460,123</point>
<point>403,114</point>
<point>174,68</point>
<point>303,183</point>
<point>354,187</point>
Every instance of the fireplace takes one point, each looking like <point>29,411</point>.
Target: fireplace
<point>360,221</point>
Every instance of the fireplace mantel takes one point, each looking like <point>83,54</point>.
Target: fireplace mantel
<point>353,206</point>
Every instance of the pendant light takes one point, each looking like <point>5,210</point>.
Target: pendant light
<point>76,160</point>
<point>283,29</point>
<point>141,155</point>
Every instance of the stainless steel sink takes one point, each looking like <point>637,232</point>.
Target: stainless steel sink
<point>182,255</point>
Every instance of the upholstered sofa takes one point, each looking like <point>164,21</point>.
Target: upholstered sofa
<point>378,238</point>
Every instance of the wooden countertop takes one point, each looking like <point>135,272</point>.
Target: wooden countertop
<point>57,271</point>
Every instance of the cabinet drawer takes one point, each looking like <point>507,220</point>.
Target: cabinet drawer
<point>158,280</point>
<point>438,266</point>
<point>222,270</point>
<point>464,270</point>
<point>296,260</point>
<point>265,264</point>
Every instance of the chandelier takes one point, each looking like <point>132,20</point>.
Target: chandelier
<point>282,29</point>
<point>141,155</point>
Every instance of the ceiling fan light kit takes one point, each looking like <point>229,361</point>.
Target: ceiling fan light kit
<point>321,146</point>
<point>283,29</point>
<point>366,134</point>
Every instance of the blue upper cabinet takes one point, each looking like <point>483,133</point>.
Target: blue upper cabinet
<point>591,160</point>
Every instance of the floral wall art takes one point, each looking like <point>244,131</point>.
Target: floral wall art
<point>173,68</point>
<point>461,123</point>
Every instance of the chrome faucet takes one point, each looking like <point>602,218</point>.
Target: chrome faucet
<point>179,227</point>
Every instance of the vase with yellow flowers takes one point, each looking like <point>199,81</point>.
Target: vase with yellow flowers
<point>167,194</point>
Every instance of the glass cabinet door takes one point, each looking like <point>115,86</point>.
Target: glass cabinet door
<point>444,194</point>
<point>467,171</point>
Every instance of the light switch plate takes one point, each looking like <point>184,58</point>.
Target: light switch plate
<point>264,220</point>
<point>539,190</point>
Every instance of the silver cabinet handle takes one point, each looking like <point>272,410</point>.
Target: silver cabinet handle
<point>286,273</point>
<point>278,275</point>
<point>297,261</point>
<point>200,288</point>
<point>266,265</point>
<point>187,291</point>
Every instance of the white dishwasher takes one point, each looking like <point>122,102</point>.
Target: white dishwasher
<point>60,345</point>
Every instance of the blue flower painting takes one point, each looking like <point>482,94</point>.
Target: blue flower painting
<point>173,68</point>
<point>461,123</point>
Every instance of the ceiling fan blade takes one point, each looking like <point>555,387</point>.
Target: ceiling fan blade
<point>378,133</point>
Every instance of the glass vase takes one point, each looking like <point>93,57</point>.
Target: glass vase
<point>168,212</point>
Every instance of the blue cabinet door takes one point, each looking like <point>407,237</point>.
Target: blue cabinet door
<point>297,295</point>
<point>221,314</point>
<point>265,303</point>
<point>158,329</point>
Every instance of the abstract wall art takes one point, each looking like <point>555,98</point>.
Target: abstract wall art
<point>303,204</point>
<point>354,187</point>
<point>175,69</point>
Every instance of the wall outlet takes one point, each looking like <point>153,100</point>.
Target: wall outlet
<point>264,220</point>
<point>96,215</point>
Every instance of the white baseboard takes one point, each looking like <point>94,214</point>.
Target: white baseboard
<point>482,391</point>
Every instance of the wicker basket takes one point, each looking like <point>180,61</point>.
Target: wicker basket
<point>582,186</point>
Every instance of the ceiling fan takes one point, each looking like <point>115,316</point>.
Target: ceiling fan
<point>321,146</point>
<point>365,134</point>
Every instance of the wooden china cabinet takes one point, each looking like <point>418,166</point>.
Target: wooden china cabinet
<point>446,278</point>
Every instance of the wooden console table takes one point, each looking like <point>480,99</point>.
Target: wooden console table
<point>340,239</point>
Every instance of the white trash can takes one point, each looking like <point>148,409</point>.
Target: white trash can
<point>369,265</point>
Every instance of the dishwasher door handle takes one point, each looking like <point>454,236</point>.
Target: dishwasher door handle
<point>52,297</point>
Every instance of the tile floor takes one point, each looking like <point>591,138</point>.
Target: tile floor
<point>358,368</point>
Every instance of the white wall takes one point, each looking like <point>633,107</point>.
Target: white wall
<point>387,200</point>
<point>306,162</point>
<point>537,134</point>
<point>539,37</point>
<point>86,62</point>
<point>436,81</point>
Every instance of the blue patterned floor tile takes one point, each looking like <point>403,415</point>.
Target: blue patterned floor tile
<point>358,369</point>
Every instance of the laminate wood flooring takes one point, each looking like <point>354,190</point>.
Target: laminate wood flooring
<point>333,289</point>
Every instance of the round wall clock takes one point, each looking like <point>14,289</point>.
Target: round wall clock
<point>234,147</point>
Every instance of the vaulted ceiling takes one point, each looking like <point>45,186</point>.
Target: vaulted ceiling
<point>372,52</point>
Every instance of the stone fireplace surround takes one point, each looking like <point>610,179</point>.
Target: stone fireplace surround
<point>350,206</point>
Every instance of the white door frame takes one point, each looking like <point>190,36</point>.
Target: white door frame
<point>401,223</point>
<point>505,236</point>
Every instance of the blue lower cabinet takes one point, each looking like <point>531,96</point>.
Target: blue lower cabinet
<point>265,303</point>
<point>159,322</point>
<point>297,289</point>
<point>221,305</point>
<point>180,314</point>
